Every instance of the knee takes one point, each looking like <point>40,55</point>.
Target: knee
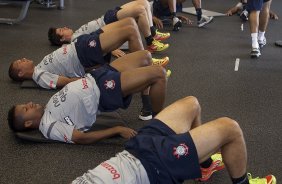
<point>159,72</point>
<point>140,10</point>
<point>146,57</point>
<point>132,31</point>
<point>231,127</point>
<point>193,103</point>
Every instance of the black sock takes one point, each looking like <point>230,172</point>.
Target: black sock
<point>242,180</point>
<point>199,13</point>
<point>154,114</point>
<point>173,14</point>
<point>147,106</point>
<point>149,40</point>
<point>207,163</point>
<point>153,31</point>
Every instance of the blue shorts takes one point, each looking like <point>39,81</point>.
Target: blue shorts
<point>108,81</point>
<point>255,5</point>
<point>111,15</point>
<point>167,157</point>
<point>89,51</point>
<point>163,12</point>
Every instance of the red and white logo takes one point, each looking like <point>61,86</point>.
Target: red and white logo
<point>92,43</point>
<point>110,84</point>
<point>181,150</point>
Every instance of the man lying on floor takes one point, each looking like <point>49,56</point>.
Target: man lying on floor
<point>138,9</point>
<point>72,110</point>
<point>169,149</point>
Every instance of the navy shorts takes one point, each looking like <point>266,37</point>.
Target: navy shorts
<point>163,12</point>
<point>255,5</point>
<point>111,15</point>
<point>167,157</point>
<point>89,49</point>
<point>108,81</point>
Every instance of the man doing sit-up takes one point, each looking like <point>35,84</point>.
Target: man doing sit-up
<point>174,147</point>
<point>138,9</point>
<point>72,110</point>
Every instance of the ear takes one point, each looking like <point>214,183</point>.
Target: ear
<point>21,73</point>
<point>28,124</point>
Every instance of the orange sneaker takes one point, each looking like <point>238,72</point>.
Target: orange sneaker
<point>161,62</point>
<point>161,36</point>
<point>157,46</point>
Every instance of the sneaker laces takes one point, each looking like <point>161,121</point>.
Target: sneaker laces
<point>162,34</point>
<point>157,43</point>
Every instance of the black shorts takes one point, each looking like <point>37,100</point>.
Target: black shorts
<point>108,81</point>
<point>111,15</point>
<point>164,12</point>
<point>167,157</point>
<point>89,51</point>
<point>255,5</point>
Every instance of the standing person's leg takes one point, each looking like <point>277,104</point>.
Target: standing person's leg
<point>114,36</point>
<point>263,22</point>
<point>202,20</point>
<point>254,6</point>
<point>138,79</point>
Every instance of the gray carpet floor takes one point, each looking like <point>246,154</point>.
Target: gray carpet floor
<point>202,65</point>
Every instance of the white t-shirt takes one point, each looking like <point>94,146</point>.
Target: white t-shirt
<point>121,169</point>
<point>61,62</point>
<point>74,106</point>
<point>88,28</point>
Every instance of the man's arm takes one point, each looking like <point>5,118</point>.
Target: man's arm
<point>62,81</point>
<point>92,137</point>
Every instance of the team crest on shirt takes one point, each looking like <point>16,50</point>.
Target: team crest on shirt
<point>92,43</point>
<point>110,84</point>
<point>181,150</point>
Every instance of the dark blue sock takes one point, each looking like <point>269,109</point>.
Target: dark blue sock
<point>199,13</point>
<point>242,180</point>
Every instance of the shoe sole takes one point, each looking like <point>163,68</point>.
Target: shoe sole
<point>145,118</point>
<point>205,23</point>
<point>209,176</point>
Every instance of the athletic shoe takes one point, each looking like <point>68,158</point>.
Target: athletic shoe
<point>262,42</point>
<point>157,46</point>
<point>204,20</point>
<point>217,165</point>
<point>244,15</point>
<point>161,36</point>
<point>176,23</point>
<point>145,115</point>
<point>161,62</point>
<point>168,73</point>
<point>269,179</point>
<point>255,53</point>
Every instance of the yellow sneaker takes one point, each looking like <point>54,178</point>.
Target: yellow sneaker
<point>161,36</point>
<point>269,179</point>
<point>161,62</point>
<point>168,73</point>
<point>157,46</point>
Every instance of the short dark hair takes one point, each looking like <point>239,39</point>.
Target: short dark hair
<point>54,38</point>
<point>13,74</point>
<point>13,121</point>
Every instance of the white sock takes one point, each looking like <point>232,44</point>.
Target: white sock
<point>255,40</point>
<point>261,35</point>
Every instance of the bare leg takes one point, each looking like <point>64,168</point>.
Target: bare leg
<point>133,60</point>
<point>137,10</point>
<point>110,41</point>
<point>254,21</point>
<point>264,16</point>
<point>138,79</point>
<point>223,133</point>
<point>197,3</point>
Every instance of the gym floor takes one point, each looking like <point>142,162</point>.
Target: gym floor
<point>202,62</point>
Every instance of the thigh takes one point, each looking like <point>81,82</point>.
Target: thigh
<point>131,9</point>
<point>136,80</point>
<point>180,115</point>
<point>133,60</point>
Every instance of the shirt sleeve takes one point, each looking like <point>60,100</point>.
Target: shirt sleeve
<point>60,131</point>
<point>46,79</point>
